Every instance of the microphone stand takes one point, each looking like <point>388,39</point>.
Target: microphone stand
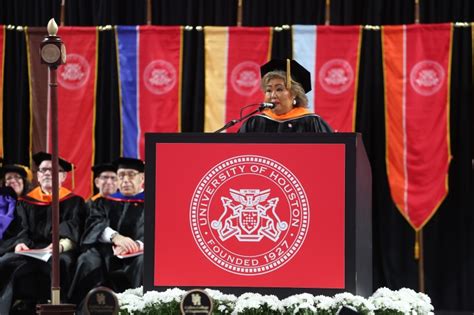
<point>236,121</point>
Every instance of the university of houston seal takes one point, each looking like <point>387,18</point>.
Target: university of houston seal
<point>249,215</point>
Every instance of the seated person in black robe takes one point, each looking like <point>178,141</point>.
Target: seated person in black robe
<point>115,227</point>
<point>285,84</point>
<point>22,275</point>
<point>15,182</point>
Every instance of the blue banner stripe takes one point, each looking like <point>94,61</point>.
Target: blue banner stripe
<point>304,51</point>
<point>127,46</point>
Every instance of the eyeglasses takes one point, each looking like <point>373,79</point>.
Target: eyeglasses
<point>106,178</point>
<point>130,175</point>
<point>43,170</point>
<point>12,177</point>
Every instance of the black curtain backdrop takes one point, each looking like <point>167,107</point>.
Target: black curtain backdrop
<point>107,128</point>
<point>16,98</point>
<point>27,12</point>
<point>104,12</point>
<point>194,12</point>
<point>448,237</point>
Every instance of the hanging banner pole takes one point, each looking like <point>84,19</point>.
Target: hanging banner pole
<point>417,11</point>
<point>239,12</point>
<point>328,13</point>
<point>421,263</point>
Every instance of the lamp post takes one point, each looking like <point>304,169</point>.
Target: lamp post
<point>53,54</point>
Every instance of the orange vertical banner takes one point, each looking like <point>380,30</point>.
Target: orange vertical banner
<point>416,60</point>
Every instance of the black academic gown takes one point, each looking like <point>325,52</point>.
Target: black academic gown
<point>305,123</point>
<point>34,217</point>
<point>97,265</point>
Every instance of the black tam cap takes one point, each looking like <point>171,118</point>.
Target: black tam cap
<point>131,163</point>
<point>297,71</point>
<point>43,156</point>
<point>14,168</point>
<point>104,167</point>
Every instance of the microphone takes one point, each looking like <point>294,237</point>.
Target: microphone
<point>261,106</point>
<point>266,105</point>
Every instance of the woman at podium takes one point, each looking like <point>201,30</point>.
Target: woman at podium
<point>285,84</point>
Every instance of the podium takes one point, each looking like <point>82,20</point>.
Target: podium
<point>271,213</point>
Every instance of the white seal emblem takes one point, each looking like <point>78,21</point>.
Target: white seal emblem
<point>75,73</point>
<point>245,78</point>
<point>336,76</point>
<point>249,215</point>
<point>427,77</point>
<point>159,76</point>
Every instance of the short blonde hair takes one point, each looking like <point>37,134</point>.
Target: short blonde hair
<point>296,87</point>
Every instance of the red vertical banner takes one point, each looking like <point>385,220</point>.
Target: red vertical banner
<point>2,58</point>
<point>76,105</point>
<point>233,56</point>
<point>160,72</point>
<point>331,54</point>
<point>416,61</point>
<point>337,70</point>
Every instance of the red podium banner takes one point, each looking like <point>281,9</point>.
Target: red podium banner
<point>261,215</point>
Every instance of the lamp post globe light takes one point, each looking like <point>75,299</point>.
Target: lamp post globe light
<point>53,54</point>
<point>52,49</point>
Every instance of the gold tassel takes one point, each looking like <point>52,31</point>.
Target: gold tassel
<point>288,74</point>
<point>417,245</point>
<point>29,174</point>
<point>73,179</point>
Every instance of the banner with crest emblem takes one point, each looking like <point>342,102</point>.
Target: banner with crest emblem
<point>76,101</point>
<point>76,104</point>
<point>233,56</point>
<point>150,67</point>
<point>331,54</point>
<point>416,63</point>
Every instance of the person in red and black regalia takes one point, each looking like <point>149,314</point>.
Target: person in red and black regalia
<point>285,84</point>
<point>115,227</point>
<point>29,275</point>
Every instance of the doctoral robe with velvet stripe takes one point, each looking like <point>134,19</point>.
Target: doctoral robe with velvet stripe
<point>34,214</point>
<point>297,120</point>
<point>98,265</point>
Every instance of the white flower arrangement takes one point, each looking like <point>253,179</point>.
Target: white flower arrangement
<point>356,302</point>
<point>255,303</point>
<point>223,303</point>
<point>403,301</point>
<point>383,302</point>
